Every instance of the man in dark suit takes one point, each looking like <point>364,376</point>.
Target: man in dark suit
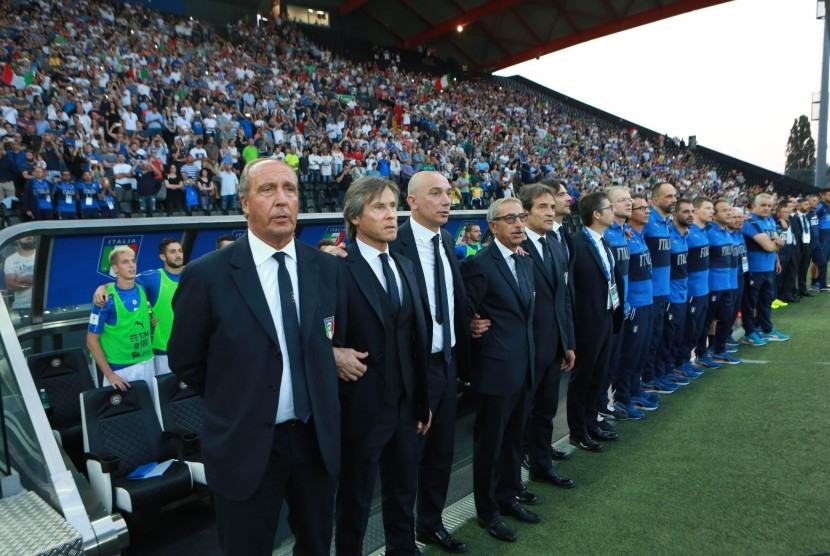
<point>552,330</point>
<point>381,351</point>
<point>562,210</point>
<point>598,315</point>
<point>443,300</point>
<point>250,336</point>
<point>500,290</point>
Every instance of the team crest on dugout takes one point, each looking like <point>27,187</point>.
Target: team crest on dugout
<point>108,243</point>
<point>335,233</point>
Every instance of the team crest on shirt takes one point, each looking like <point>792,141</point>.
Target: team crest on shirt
<point>635,328</point>
<point>337,234</point>
<point>692,310</point>
<point>328,326</point>
<point>111,242</point>
<point>670,316</point>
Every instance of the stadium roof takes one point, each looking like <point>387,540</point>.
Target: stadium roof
<point>498,33</point>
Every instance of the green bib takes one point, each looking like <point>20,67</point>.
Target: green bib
<point>473,250</point>
<point>163,311</point>
<point>128,341</point>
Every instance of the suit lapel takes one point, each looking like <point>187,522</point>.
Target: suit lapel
<point>501,264</point>
<point>593,249</point>
<point>410,250</point>
<point>364,277</point>
<point>250,288</point>
<point>308,278</point>
<point>537,260</point>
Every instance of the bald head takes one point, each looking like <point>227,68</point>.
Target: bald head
<point>428,196</point>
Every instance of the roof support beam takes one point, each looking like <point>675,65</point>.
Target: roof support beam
<point>527,27</point>
<point>623,24</point>
<point>383,24</point>
<point>351,5</point>
<point>448,26</point>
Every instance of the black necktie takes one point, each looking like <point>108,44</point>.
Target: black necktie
<point>610,258</point>
<point>442,306</point>
<point>391,283</point>
<point>520,279</point>
<point>293,340</point>
<point>547,255</point>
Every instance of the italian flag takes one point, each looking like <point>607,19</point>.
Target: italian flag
<point>443,83</point>
<point>632,133</point>
<point>12,79</point>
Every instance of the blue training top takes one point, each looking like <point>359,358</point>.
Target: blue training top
<point>639,271</point>
<point>615,236</point>
<point>759,259</point>
<point>679,275</point>
<point>698,261</point>
<point>823,213</point>
<point>65,196</point>
<point>739,258</point>
<point>721,264</point>
<point>656,234</point>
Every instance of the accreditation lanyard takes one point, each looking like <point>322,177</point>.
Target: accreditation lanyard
<point>613,294</point>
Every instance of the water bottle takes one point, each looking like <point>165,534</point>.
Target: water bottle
<point>44,399</point>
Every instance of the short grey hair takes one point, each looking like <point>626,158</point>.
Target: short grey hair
<point>494,208</point>
<point>611,191</point>
<point>249,167</point>
<point>359,194</point>
<point>761,197</point>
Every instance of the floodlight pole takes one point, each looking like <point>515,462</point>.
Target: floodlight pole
<point>821,154</point>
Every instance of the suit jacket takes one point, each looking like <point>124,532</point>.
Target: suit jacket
<point>554,308</point>
<point>591,287</point>
<point>502,358</point>
<point>571,260</point>
<point>798,230</point>
<point>360,325</point>
<point>405,245</point>
<point>224,345</point>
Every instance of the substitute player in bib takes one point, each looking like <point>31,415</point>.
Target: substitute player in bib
<point>119,333</point>
<point>160,285</point>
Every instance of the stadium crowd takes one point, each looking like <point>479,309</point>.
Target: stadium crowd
<point>186,109</point>
<point>635,302</point>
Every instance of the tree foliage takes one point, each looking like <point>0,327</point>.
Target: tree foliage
<point>801,151</point>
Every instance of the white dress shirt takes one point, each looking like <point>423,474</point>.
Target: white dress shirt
<point>267,267</point>
<point>508,258</point>
<point>534,240</point>
<point>426,253</point>
<point>372,257</point>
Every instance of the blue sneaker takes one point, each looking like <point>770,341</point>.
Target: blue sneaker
<point>753,340</point>
<point>725,359</point>
<point>634,413</point>
<point>774,336</point>
<point>670,384</point>
<point>650,396</point>
<point>677,378</point>
<point>706,361</point>
<point>732,342</point>
<point>730,349</point>
<point>658,387</point>
<point>688,370</point>
<point>643,404</point>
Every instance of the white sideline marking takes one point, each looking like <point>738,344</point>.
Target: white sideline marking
<point>755,362</point>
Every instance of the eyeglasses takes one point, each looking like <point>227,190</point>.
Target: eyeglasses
<point>511,218</point>
<point>645,208</point>
<point>603,208</point>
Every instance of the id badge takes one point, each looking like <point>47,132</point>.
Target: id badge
<point>88,201</point>
<point>615,296</point>
<point>566,277</point>
<point>805,237</point>
<point>68,198</point>
<point>745,263</point>
<point>110,204</point>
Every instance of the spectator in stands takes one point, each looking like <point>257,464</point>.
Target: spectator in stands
<point>37,197</point>
<point>762,244</point>
<point>65,197</point>
<point>19,268</point>
<point>8,174</point>
<point>88,194</point>
<point>119,336</point>
<point>224,240</point>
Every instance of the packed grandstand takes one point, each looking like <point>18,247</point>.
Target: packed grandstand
<point>88,83</point>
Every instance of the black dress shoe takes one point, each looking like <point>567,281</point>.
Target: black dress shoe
<point>527,497</point>
<point>441,538</point>
<point>806,294</point>
<point>552,477</point>
<point>606,426</point>
<point>599,434</point>
<point>558,455</point>
<point>586,444</point>
<point>498,529</point>
<point>520,512</point>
